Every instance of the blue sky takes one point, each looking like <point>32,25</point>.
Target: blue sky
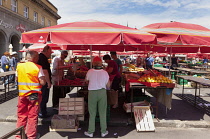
<point>137,13</point>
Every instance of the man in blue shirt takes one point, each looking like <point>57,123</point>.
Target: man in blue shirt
<point>5,61</point>
<point>149,60</point>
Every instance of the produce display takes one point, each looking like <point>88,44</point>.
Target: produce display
<point>81,72</point>
<point>75,82</point>
<point>70,75</point>
<point>154,77</point>
<point>131,67</point>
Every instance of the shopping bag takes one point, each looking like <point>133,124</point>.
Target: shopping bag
<point>112,97</point>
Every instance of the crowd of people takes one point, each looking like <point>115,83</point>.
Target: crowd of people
<point>35,77</point>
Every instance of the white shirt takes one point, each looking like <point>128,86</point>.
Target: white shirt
<point>97,79</point>
<point>57,75</point>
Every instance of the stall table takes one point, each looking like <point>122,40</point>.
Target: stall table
<point>161,93</point>
<point>6,75</point>
<point>192,71</point>
<point>185,65</point>
<point>197,80</point>
<point>165,70</point>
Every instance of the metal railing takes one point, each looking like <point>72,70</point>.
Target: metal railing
<point>18,131</point>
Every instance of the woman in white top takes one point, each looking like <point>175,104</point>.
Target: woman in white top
<point>98,80</point>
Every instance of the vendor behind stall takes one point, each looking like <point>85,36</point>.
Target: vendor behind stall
<point>58,75</point>
<point>149,61</point>
<point>114,76</point>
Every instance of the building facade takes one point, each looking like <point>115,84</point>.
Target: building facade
<point>17,16</point>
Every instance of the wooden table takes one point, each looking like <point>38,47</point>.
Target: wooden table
<point>197,81</point>
<point>193,71</point>
<point>185,65</point>
<point>165,70</point>
<point>6,75</point>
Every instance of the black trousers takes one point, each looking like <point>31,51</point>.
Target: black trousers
<point>45,98</point>
<point>59,92</point>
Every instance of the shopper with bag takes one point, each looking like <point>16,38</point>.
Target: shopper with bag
<point>115,79</point>
<point>98,80</point>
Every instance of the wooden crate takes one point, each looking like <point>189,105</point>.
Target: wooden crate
<point>143,118</point>
<point>64,122</point>
<point>127,106</point>
<point>71,106</point>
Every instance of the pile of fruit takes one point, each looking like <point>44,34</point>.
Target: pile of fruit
<point>132,67</point>
<point>80,74</point>
<point>154,77</point>
<point>75,82</point>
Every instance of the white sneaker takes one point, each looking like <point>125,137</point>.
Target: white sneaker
<point>88,134</point>
<point>104,134</point>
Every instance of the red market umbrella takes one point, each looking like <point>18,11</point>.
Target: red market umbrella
<point>83,34</point>
<point>177,37</point>
<point>40,47</point>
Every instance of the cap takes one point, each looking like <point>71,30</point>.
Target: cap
<point>13,53</point>
<point>97,59</point>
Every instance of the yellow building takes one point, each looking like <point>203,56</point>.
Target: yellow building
<point>17,16</point>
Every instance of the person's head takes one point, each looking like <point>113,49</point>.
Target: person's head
<point>32,56</point>
<point>113,54</point>
<point>97,62</point>
<point>148,54</point>
<point>6,53</point>
<point>14,54</point>
<point>47,51</point>
<point>64,54</point>
<point>173,55</point>
<point>106,58</point>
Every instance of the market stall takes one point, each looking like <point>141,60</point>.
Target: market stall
<point>154,83</point>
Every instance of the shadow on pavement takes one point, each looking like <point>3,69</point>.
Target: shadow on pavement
<point>113,131</point>
<point>9,95</point>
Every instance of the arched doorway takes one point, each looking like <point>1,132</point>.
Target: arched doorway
<point>2,42</point>
<point>14,40</point>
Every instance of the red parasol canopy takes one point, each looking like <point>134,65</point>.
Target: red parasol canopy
<point>83,34</point>
<point>40,47</point>
<point>177,37</point>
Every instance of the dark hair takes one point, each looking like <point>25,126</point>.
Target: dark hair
<point>106,57</point>
<point>46,48</point>
<point>64,52</point>
<point>113,53</point>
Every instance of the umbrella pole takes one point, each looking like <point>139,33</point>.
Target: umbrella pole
<point>170,64</point>
<point>91,56</point>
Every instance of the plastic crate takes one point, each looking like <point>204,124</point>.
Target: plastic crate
<point>180,81</point>
<point>173,75</point>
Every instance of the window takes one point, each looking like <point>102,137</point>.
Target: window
<point>1,2</point>
<point>25,11</point>
<point>49,23</point>
<point>42,20</point>
<point>35,17</point>
<point>14,5</point>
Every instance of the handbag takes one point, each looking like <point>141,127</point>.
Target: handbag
<point>112,97</point>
